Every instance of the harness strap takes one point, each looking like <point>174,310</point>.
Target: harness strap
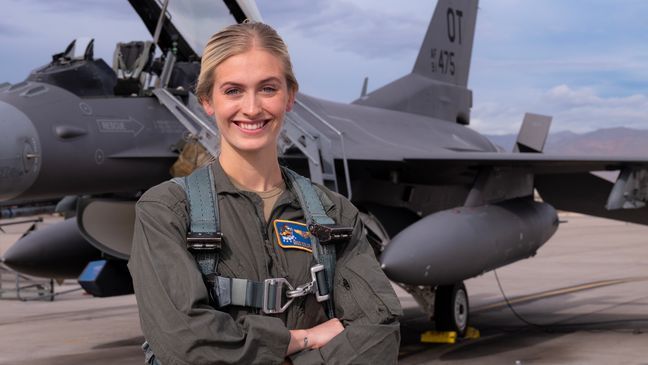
<point>268,296</point>
<point>201,192</point>
<point>204,237</point>
<point>234,291</point>
<point>316,217</point>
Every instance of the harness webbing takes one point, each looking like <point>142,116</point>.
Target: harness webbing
<point>315,215</point>
<point>203,215</point>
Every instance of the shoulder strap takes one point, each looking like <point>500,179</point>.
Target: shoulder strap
<point>315,219</point>
<point>203,238</point>
<point>201,193</point>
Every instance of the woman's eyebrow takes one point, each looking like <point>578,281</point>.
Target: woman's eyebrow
<point>229,84</point>
<point>270,79</point>
<point>236,84</point>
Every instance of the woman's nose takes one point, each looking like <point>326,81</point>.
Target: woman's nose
<point>252,104</point>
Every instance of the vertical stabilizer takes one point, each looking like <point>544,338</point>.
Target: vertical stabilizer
<point>437,86</point>
<point>447,47</point>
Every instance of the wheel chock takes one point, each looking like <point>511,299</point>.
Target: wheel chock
<point>439,337</point>
<point>472,333</point>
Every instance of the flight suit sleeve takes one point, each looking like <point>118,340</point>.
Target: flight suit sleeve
<point>365,303</point>
<point>175,315</point>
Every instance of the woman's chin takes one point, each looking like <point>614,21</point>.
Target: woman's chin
<point>253,147</point>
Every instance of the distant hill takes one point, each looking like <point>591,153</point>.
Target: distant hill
<point>609,141</point>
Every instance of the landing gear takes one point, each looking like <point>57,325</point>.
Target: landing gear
<point>448,306</point>
<point>451,308</point>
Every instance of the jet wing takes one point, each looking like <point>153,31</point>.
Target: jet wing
<point>534,162</point>
<point>566,182</point>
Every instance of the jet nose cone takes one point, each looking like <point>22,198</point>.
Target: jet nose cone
<point>56,251</point>
<point>19,152</point>
<point>399,261</point>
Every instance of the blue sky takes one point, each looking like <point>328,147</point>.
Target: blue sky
<point>584,62</point>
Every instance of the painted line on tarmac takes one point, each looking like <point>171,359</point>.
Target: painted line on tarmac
<point>556,292</point>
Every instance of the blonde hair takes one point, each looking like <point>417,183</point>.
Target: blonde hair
<point>234,40</point>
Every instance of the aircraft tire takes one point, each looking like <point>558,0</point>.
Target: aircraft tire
<point>451,308</point>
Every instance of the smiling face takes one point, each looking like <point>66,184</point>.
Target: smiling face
<point>249,98</point>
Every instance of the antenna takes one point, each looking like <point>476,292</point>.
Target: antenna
<point>363,93</point>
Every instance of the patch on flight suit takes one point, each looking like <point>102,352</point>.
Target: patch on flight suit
<point>292,235</point>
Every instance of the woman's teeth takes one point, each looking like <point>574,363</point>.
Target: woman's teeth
<point>251,126</point>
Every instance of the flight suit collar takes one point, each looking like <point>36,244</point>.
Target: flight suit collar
<point>224,185</point>
<point>221,180</point>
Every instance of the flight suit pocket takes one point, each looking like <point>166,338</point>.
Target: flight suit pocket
<point>364,294</point>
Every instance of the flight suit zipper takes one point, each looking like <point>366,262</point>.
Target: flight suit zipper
<point>264,234</point>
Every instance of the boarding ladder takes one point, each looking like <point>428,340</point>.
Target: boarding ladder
<point>315,145</point>
<point>192,118</point>
<point>297,132</point>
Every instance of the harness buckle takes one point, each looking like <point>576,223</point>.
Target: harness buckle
<point>273,290</point>
<point>301,290</point>
<point>273,295</point>
<point>327,234</point>
<point>319,283</point>
<point>204,241</point>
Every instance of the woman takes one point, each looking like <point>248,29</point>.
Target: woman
<point>247,84</point>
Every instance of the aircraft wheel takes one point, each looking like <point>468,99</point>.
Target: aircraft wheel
<point>451,308</point>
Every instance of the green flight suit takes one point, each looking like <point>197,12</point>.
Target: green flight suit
<point>182,328</point>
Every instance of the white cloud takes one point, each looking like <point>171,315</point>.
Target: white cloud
<point>567,97</point>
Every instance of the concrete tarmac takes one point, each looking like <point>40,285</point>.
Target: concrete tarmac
<point>582,300</point>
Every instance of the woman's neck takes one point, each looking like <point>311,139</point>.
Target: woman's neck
<point>256,171</point>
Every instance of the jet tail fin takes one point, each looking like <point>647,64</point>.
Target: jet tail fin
<point>533,133</point>
<point>447,47</point>
<point>437,85</point>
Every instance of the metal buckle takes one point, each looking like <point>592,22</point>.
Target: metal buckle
<point>314,270</point>
<point>329,234</point>
<point>204,241</point>
<point>277,297</point>
<point>301,290</point>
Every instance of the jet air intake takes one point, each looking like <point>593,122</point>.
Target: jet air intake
<point>456,244</point>
<point>19,152</point>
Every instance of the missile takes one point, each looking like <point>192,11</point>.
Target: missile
<point>56,251</point>
<point>450,246</point>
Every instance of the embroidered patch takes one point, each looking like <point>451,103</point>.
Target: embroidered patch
<point>292,235</point>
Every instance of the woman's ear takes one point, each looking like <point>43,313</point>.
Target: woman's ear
<point>207,106</point>
<point>291,100</point>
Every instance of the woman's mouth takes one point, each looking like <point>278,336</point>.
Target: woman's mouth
<point>251,126</point>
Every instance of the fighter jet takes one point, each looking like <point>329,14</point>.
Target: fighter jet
<point>439,201</point>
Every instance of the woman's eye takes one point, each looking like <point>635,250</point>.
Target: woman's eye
<point>232,92</point>
<point>269,89</point>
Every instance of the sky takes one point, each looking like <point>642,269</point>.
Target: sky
<point>584,62</point>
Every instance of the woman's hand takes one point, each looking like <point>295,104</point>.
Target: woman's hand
<point>314,338</point>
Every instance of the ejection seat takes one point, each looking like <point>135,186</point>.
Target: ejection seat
<point>130,62</point>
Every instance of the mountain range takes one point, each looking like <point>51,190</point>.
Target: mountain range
<point>609,141</point>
